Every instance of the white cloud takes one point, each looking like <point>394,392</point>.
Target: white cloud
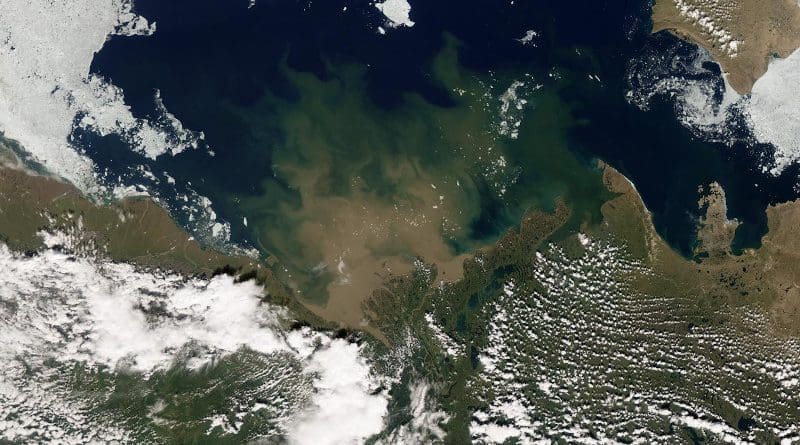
<point>56,307</point>
<point>426,419</point>
<point>343,410</point>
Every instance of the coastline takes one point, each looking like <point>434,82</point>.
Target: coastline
<point>39,212</point>
<point>741,36</point>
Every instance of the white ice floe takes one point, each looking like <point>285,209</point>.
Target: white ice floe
<point>773,110</point>
<point>711,109</point>
<point>397,12</point>
<point>110,315</point>
<point>528,38</point>
<point>105,113</point>
<point>46,89</point>
<point>703,103</point>
<point>513,103</point>
<point>510,102</point>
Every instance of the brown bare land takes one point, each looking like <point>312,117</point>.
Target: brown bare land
<point>767,277</point>
<point>741,35</point>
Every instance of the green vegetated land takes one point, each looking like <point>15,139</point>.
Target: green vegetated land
<point>610,331</point>
<point>594,311</point>
<point>135,230</point>
<point>499,271</point>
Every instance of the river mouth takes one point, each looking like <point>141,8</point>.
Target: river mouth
<point>349,156</point>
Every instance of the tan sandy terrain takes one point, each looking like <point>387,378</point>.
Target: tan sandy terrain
<point>767,277</point>
<point>716,231</point>
<point>741,35</point>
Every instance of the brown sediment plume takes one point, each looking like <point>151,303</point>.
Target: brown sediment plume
<point>741,35</point>
<point>367,194</point>
<point>403,301</point>
<point>361,239</point>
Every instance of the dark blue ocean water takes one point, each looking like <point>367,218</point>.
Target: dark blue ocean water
<point>212,58</point>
